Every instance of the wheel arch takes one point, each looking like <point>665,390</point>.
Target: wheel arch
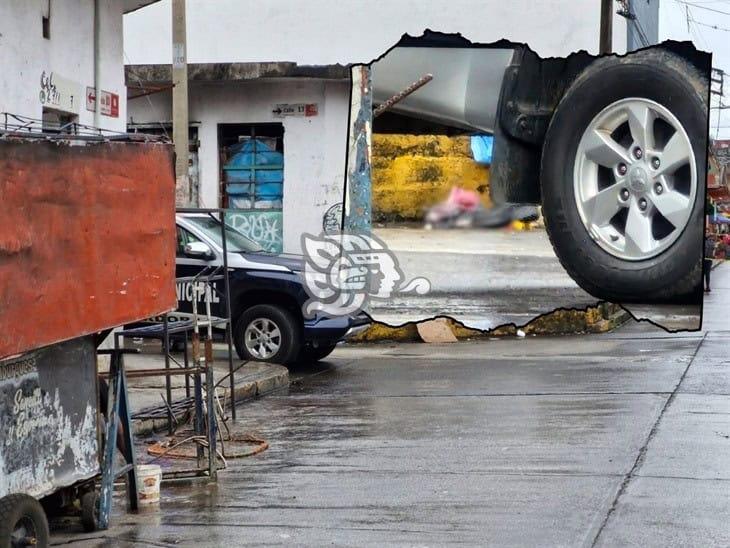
<point>531,90</point>
<point>267,296</point>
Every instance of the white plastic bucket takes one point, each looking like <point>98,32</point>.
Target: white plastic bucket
<point>149,477</point>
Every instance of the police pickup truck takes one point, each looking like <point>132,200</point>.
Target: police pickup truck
<point>267,294</point>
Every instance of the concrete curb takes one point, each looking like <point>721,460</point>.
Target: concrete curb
<point>273,377</point>
<point>598,319</point>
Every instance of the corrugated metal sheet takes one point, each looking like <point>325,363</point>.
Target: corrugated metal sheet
<point>87,239</point>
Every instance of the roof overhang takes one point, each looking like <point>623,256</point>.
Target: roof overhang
<point>235,72</point>
<point>134,5</point>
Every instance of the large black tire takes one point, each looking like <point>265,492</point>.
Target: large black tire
<point>677,85</point>
<point>310,354</point>
<point>288,325</point>
<point>90,511</point>
<point>22,514</point>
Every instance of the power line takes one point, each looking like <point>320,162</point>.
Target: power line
<point>699,2</point>
<point>716,27</point>
<point>700,7</point>
<point>642,34</point>
<point>626,12</point>
<point>695,32</point>
<point>141,85</point>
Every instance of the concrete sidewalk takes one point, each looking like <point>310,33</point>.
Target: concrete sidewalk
<point>716,308</point>
<point>147,394</point>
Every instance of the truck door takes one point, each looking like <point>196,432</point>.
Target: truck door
<point>191,266</point>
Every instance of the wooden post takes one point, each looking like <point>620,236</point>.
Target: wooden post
<point>605,45</point>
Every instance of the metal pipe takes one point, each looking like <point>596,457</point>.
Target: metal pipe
<point>229,326</point>
<point>168,384</point>
<point>398,97</point>
<point>186,366</point>
<point>158,372</point>
<point>210,389</point>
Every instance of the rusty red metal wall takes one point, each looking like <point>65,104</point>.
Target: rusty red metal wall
<point>87,239</point>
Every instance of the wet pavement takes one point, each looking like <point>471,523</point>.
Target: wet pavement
<point>488,278</point>
<point>599,440</point>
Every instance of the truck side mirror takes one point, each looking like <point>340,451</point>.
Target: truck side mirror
<point>199,250</point>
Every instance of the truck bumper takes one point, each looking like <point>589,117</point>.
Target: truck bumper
<point>334,329</point>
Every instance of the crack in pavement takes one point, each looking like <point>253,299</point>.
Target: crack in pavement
<point>643,450</point>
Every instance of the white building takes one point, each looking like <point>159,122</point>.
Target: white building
<point>54,53</point>
<point>221,111</point>
<point>247,58</point>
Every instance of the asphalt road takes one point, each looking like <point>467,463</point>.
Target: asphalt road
<point>601,440</point>
<point>488,278</point>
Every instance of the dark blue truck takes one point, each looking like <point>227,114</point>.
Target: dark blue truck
<point>267,295</point>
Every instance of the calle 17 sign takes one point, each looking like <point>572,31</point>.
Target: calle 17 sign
<point>295,109</point>
<point>109,102</point>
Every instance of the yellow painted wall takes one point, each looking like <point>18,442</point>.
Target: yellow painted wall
<point>413,172</point>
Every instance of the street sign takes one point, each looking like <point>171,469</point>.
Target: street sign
<point>109,102</point>
<point>295,109</point>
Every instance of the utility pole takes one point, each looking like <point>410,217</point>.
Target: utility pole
<point>97,64</point>
<point>357,210</point>
<point>605,44</point>
<point>180,123</point>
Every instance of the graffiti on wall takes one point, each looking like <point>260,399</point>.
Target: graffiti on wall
<point>332,219</point>
<point>263,227</point>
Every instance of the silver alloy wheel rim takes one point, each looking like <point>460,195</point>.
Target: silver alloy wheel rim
<point>262,338</point>
<point>635,200</point>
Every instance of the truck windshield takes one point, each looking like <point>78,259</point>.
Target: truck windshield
<point>235,241</point>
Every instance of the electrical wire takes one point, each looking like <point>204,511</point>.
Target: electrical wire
<point>698,6</point>
<point>642,35</point>
<point>141,85</point>
<point>715,27</point>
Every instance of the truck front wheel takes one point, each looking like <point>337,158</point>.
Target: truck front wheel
<point>623,169</point>
<point>267,333</point>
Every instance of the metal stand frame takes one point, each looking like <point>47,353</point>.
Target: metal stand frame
<point>226,294</point>
<point>118,415</point>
